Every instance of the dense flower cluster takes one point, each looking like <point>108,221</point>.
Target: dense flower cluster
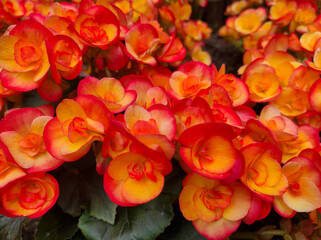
<point>148,92</point>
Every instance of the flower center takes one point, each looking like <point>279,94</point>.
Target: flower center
<point>32,144</point>
<point>136,170</point>
<point>91,30</point>
<point>27,53</point>
<point>191,84</point>
<point>32,195</point>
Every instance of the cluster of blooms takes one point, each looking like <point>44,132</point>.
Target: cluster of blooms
<point>282,68</point>
<point>45,43</point>
<point>238,164</point>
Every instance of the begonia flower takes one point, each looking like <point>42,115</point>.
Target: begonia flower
<point>23,56</point>
<point>69,135</point>
<point>30,196</point>
<point>216,209</point>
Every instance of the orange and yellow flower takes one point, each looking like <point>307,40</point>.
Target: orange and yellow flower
<point>262,170</point>
<point>304,191</point>
<point>208,150</point>
<point>69,135</point>
<point>109,90</point>
<point>250,20</point>
<point>133,178</point>
<point>98,27</point>
<point>23,56</point>
<point>24,140</point>
<point>141,42</point>
<point>215,208</point>
<point>30,196</point>
<point>189,79</point>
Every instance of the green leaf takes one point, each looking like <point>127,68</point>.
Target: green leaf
<point>29,228</point>
<point>80,185</point>
<point>70,183</point>
<point>173,181</point>
<point>180,228</point>
<point>92,228</point>
<point>56,225</point>
<point>98,203</point>
<point>145,221</point>
<point>32,99</point>
<point>10,228</point>
<point>184,230</point>
<point>69,192</point>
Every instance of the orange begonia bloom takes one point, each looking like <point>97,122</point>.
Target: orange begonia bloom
<point>30,196</point>
<point>216,94</point>
<point>199,55</point>
<point>282,62</point>
<point>213,205</point>
<point>263,173</point>
<point>308,137</point>
<point>263,83</point>
<point>250,20</point>
<point>15,8</point>
<point>310,118</point>
<point>173,51</point>
<point>63,26</point>
<point>303,79</point>
<point>283,11</point>
<point>309,39</point>
<point>292,101</point>
<point>141,42</point>
<point>23,56</point>
<point>98,27</point>
<point>235,87</point>
<point>278,42</point>
<point>235,8</point>
<point>189,113</point>
<point>158,75</point>
<point>156,120</point>
<point>250,56</point>
<point>208,150</point>
<point>64,9</point>
<point>283,127</point>
<point>189,79</point>
<point>24,139</point>
<point>109,90</point>
<point>147,94</point>
<point>133,178</point>
<point>180,11</point>
<point>9,171</point>
<point>314,96</point>
<point>259,132</point>
<point>70,134</point>
<point>65,58</point>
<point>304,16</point>
<point>304,191</point>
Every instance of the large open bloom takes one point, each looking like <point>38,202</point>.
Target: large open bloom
<point>141,43</point>
<point>133,178</point>
<point>30,196</point>
<point>208,150</point>
<point>262,171</point>
<point>98,27</point>
<point>304,191</point>
<point>23,56</point>
<point>189,79</point>
<point>24,139</point>
<point>69,135</point>
<point>215,208</point>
